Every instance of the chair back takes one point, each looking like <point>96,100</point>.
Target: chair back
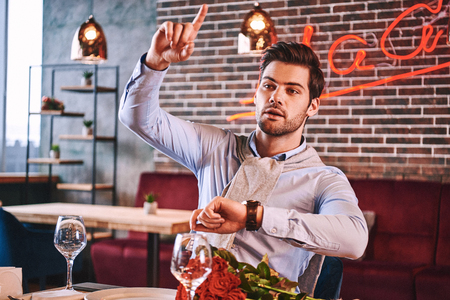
<point>443,243</point>
<point>12,234</point>
<point>30,249</point>
<point>330,279</point>
<point>173,190</point>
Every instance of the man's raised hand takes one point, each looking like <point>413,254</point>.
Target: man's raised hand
<point>174,42</point>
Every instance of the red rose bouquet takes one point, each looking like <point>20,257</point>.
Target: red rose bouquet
<point>50,103</point>
<point>233,280</point>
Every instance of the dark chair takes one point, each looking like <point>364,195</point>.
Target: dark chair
<point>330,279</point>
<point>123,261</point>
<point>30,249</point>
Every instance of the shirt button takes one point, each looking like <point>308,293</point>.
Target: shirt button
<point>274,230</point>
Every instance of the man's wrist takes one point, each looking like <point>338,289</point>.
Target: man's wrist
<point>155,63</point>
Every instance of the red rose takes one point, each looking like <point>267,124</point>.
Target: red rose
<point>220,284</point>
<point>219,264</point>
<point>236,294</point>
<point>202,287</point>
<point>207,295</point>
<point>181,293</point>
<point>235,281</point>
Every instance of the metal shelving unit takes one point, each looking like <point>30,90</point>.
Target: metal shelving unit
<point>94,139</point>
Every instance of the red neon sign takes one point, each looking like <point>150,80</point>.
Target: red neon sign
<point>427,31</point>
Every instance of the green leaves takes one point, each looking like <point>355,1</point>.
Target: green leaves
<point>264,270</point>
<point>228,256</point>
<point>262,282</point>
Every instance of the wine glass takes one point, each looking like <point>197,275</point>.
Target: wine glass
<point>70,239</point>
<point>191,261</point>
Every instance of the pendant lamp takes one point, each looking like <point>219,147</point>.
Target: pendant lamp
<point>89,43</point>
<point>257,31</point>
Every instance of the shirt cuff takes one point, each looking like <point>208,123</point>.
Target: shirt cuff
<point>144,75</point>
<point>275,222</point>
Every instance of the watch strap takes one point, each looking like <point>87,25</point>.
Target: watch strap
<point>252,208</point>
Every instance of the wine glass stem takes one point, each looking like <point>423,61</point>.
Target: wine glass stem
<point>69,273</point>
<point>190,293</point>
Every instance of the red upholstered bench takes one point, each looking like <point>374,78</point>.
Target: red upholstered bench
<point>123,262</point>
<point>401,243</point>
<point>434,282</point>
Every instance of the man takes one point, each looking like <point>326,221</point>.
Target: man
<point>304,206</point>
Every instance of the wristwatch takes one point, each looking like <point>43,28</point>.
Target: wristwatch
<point>252,208</point>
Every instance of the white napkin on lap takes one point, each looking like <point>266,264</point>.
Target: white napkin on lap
<point>58,295</point>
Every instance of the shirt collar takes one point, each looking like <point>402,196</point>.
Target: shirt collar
<point>280,156</point>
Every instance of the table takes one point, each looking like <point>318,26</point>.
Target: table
<point>85,288</point>
<point>165,221</point>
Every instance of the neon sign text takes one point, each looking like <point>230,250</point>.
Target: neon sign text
<point>427,31</point>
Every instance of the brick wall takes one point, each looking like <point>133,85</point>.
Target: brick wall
<point>397,129</point>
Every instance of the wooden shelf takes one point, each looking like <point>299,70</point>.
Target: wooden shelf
<point>83,186</point>
<point>55,161</point>
<point>86,137</point>
<point>21,177</point>
<point>87,89</point>
<point>58,113</point>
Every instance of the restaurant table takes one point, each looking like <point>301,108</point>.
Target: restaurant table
<point>165,221</point>
<point>89,287</point>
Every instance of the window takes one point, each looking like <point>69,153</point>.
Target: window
<point>24,42</point>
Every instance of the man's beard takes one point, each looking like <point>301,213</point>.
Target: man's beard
<point>289,126</point>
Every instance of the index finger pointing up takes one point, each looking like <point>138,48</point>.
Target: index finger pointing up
<point>198,21</point>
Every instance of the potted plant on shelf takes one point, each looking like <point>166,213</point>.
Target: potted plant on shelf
<point>87,80</point>
<point>150,204</point>
<point>87,128</point>
<point>50,103</point>
<point>54,151</point>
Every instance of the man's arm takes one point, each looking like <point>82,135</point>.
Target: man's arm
<point>337,229</point>
<point>139,105</point>
<point>223,215</point>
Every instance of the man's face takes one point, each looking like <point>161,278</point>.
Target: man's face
<point>282,99</point>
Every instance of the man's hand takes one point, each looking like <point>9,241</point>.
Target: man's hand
<point>174,42</point>
<point>221,215</point>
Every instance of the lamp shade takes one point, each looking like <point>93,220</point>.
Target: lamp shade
<point>257,31</point>
<point>89,43</point>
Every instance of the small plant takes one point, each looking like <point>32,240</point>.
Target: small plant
<point>55,147</point>
<point>150,197</point>
<point>88,74</point>
<point>50,103</point>
<point>88,123</point>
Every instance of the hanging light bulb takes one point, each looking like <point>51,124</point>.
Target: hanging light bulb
<point>89,43</point>
<point>257,31</point>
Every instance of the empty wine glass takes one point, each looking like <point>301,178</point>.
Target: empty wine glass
<point>191,261</point>
<point>70,239</point>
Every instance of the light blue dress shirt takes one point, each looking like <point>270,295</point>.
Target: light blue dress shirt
<point>311,210</point>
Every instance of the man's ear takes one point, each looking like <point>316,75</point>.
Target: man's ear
<point>313,107</point>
